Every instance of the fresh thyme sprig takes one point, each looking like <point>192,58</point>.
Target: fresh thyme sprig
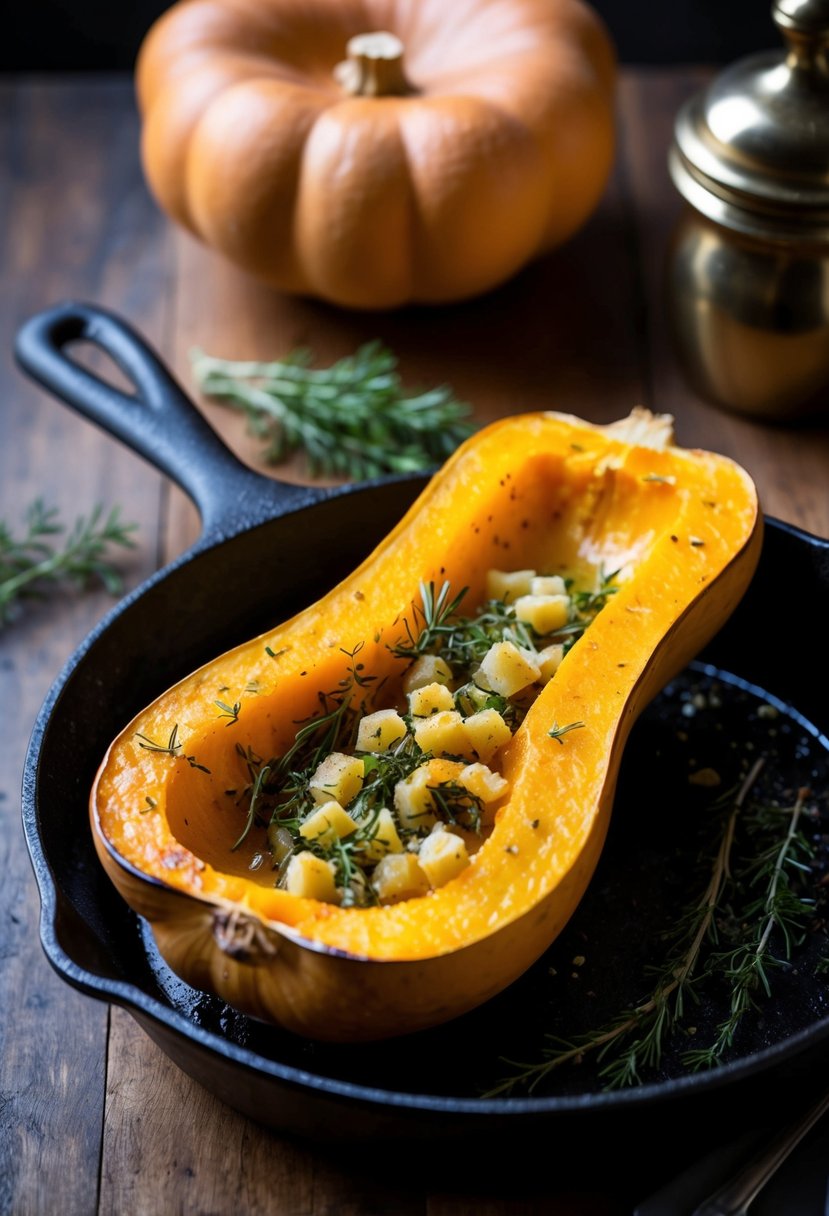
<point>33,562</point>
<point>431,623</point>
<point>729,896</point>
<point>353,419</point>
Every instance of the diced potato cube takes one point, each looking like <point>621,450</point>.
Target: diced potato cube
<point>413,800</point>
<point>338,777</point>
<point>399,876</point>
<point>413,795</point>
<point>443,734</point>
<point>507,585</point>
<point>442,857</point>
<point>507,669</point>
<point>379,731</point>
<point>384,838</point>
<point>545,613</point>
<point>428,669</point>
<point>549,660</point>
<point>311,877</point>
<point>487,732</point>
<point>483,782</point>
<point>430,699</point>
<point>328,824</point>
<point>548,584</point>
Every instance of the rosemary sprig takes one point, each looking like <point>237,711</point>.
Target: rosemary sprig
<point>745,966</point>
<point>282,795</point>
<point>639,1035</point>
<point>253,807</point>
<point>352,419</point>
<point>431,623</point>
<point>32,563</point>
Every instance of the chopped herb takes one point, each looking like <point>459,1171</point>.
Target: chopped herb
<point>171,748</point>
<point>557,732</point>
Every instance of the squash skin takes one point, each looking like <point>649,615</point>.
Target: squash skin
<point>553,489</point>
<point>375,202</point>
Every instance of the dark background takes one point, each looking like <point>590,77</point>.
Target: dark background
<point>61,35</point>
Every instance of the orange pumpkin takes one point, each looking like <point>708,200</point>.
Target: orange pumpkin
<point>370,183</point>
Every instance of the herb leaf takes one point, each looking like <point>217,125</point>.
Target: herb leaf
<point>353,419</point>
<point>32,563</point>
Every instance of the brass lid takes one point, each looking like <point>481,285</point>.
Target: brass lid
<point>752,150</point>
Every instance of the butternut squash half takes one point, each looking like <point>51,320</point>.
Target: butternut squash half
<point>547,492</point>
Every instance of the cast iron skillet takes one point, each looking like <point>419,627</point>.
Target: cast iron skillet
<point>266,551</point>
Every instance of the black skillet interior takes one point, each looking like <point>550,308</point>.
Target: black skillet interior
<point>250,570</point>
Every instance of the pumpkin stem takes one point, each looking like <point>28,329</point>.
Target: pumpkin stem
<point>374,67</point>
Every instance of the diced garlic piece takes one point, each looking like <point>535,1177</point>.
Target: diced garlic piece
<point>549,660</point>
<point>507,585</point>
<point>548,584</point>
<point>442,857</point>
<point>338,777</point>
<point>328,824</point>
<point>546,613</point>
<point>443,734</point>
<point>430,699</point>
<point>428,669</point>
<point>487,732</point>
<point>399,876</point>
<point>483,782</point>
<point>311,877</point>
<point>379,731</point>
<point>507,669</point>
<point>384,838</point>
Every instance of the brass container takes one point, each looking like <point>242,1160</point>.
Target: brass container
<point>748,265</point>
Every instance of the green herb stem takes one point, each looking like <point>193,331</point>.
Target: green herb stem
<point>32,563</point>
<point>654,1017</point>
<point>351,419</point>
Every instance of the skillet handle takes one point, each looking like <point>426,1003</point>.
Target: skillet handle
<point>159,421</point>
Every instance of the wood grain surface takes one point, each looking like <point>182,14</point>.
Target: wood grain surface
<point>93,1117</point>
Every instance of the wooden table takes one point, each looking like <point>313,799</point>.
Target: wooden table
<point>93,1118</point>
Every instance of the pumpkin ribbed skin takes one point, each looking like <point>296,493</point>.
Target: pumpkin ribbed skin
<point>372,202</point>
<point>546,492</point>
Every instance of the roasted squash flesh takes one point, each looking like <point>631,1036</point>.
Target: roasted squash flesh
<point>545,492</point>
